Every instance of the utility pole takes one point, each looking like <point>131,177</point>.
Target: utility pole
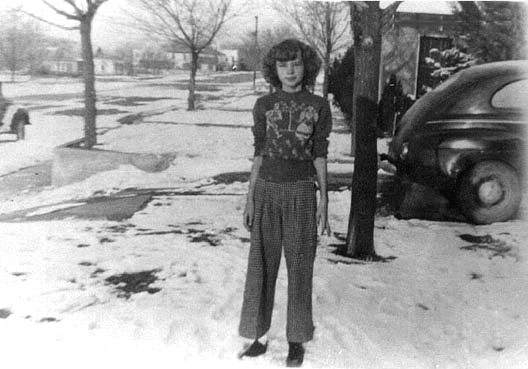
<point>257,56</point>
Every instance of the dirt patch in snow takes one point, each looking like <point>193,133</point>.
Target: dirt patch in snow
<point>4,313</point>
<point>128,284</point>
<point>492,246</point>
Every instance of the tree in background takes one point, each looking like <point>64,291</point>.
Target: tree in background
<point>323,25</point>
<point>443,64</point>
<point>20,43</point>
<point>82,13</point>
<point>266,39</point>
<point>191,23</point>
<point>493,30</point>
<point>341,86</point>
<point>125,54</point>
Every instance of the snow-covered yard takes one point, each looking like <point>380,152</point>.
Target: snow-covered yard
<point>164,288</point>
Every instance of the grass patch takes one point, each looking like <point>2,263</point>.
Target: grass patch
<point>130,119</point>
<point>80,112</point>
<point>202,97</point>
<point>132,100</point>
<point>231,78</point>
<point>185,86</point>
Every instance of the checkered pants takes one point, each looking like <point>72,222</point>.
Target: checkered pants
<point>284,218</point>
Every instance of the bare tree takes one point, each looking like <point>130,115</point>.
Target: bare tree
<point>83,13</point>
<point>19,42</point>
<point>267,38</point>
<point>191,23</point>
<point>323,24</point>
<point>367,22</point>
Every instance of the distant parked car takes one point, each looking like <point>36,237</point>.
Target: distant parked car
<point>467,139</point>
<point>16,116</point>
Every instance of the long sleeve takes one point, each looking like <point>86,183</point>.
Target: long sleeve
<point>259,127</point>
<point>322,131</point>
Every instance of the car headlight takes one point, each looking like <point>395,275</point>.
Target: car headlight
<point>404,150</point>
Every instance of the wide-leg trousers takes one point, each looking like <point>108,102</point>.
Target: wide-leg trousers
<point>284,219</point>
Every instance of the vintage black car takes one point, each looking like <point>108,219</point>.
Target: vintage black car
<point>467,139</point>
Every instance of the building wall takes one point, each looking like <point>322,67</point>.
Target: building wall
<point>68,67</point>
<point>401,44</point>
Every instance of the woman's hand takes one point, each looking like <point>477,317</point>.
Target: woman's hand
<point>322,217</point>
<point>249,212</point>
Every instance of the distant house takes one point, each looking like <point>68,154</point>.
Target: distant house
<point>152,60</point>
<point>103,65</point>
<point>61,64</point>
<point>64,66</point>
<point>413,34</point>
<point>210,60</point>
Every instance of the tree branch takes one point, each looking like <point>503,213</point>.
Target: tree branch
<point>76,9</point>
<point>50,23</point>
<point>62,12</point>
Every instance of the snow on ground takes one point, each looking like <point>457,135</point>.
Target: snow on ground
<point>433,305</point>
<point>164,288</point>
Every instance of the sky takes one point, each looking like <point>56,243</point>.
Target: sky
<point>109,30</point>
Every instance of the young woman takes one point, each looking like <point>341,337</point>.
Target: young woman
<point>291,129</point>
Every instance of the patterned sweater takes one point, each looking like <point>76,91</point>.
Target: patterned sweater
<point>290,130</point>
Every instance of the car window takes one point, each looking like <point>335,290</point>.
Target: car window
<point>512,96</point>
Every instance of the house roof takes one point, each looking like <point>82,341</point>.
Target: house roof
<point>424,7</point>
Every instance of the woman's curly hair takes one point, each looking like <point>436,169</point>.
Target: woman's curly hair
<point>285,51</point>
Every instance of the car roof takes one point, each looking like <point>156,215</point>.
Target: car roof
<point>466,92</point>
<point>469,90</point>
<point>510,67</point>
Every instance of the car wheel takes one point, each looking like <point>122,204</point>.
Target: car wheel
<point>489,192</point>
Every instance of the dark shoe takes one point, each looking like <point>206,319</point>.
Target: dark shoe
<point>295,355</point>
<point>253,350</point>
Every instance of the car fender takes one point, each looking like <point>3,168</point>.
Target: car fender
<point>456,155</point>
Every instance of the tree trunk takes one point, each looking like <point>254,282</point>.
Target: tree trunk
<point>328,48</point>
<point>90,112</point>
<point>326,66</point>
<point>366,25</point>
<point>192,80</point>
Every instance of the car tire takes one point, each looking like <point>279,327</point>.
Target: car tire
<point>489,192</point>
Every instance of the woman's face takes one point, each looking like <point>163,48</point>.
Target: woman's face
<point>291,73</point>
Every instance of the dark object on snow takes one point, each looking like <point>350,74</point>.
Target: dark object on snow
<point>477,239</point>
<point>467,139</point>
<point>295,355</point>
<point>21,115</point>
<point>393,104</point>
<point>18,121</point>
<point>254,350</point>
<point>4,313</point>
<point>131,283</point>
